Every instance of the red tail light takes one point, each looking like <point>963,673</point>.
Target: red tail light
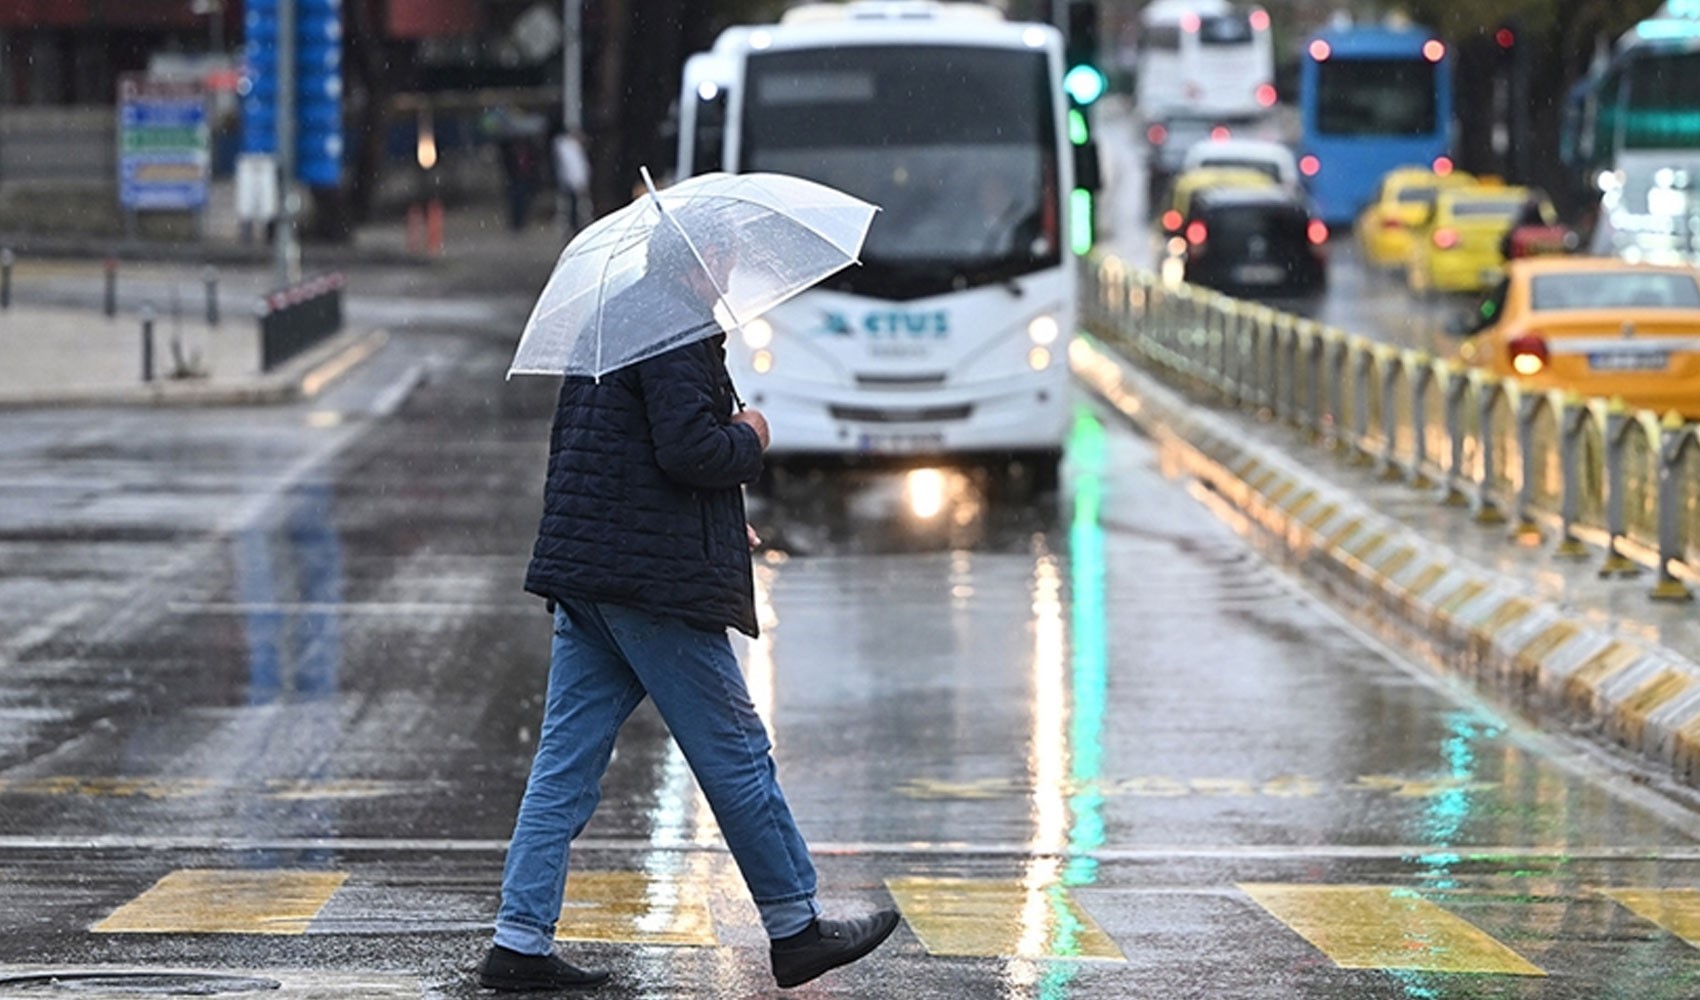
<point>1443,165</point>
<point>1171,222</point>
<point>1528,353</point>
<point>1310,166</point>
<point>1260,20</point>
<point>1266,95</point>
<point>1391,223</point>
<point>1317,231</point>
<point>1197,232</point>
<point>1221,132</point>
<point>1157,135</point>
<point>1445,239</point>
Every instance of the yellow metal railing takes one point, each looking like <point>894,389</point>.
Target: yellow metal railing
<point>1549,462</point>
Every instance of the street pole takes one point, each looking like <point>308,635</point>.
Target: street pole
<point>288,253</point>
<point>572,66</point>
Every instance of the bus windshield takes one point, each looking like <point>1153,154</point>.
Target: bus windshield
<point>1225,29</point>
<point>1371,97</point>
<point>1664,101</point>
<point>956,145</point>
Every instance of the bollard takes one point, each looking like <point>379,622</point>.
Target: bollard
<point>1523,526</point>
<point>1573,421</point>
<point>147,343</point>
<point>1315,357</point>
<point>1673,441</point>
<point>1358,447</point>
<point>1336,391</point>
<point>209,278</point>
<point>111,287</point>
<point>1391,363</point>
<point>1487,510</point>
<point>6,260</point>
<point>1457,385</point>
<point>1423,374</point>
<point>1617,422</point>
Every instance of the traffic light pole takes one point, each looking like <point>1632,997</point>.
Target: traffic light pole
<point>572,66</point>
<point>288,266</point>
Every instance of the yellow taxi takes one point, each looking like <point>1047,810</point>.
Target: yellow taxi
<point>1459,247</point>
<point>1179,203</point>
<point>1598,326</point>
<point>1403,200</point>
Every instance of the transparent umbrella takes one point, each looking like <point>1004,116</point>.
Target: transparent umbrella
<point>699,258</point>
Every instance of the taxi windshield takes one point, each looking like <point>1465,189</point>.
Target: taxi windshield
<point>1614,290</point>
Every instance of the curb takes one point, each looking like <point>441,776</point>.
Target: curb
<point>302,377</point>
<point>1471,622</point>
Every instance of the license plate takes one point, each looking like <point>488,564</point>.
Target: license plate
<point>1260,274</point>
<point>1629,361</point>
<point>901,444</point>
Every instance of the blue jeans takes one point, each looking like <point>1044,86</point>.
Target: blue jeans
<point>606,659</point>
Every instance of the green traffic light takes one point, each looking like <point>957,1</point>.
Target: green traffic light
<point>1085,84</point>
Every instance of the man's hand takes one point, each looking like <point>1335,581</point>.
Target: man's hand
<point>755,539</point>
<point>753,418</point>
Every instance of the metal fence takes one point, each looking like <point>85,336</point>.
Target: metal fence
<point>1583,470</point>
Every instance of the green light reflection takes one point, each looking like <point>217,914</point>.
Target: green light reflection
<point>1089,662</point>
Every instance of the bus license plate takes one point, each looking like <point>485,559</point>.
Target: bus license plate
<point>1260,274</point>
<point>1628,361</point>
<point>901,444</point>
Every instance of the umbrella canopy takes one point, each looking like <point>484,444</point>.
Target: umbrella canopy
<point>692,261</point>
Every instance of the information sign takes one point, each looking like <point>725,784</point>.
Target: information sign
<point>164,144</point>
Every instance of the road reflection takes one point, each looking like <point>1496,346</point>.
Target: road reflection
<point>943,507</point>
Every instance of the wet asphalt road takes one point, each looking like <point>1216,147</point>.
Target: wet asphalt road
<point>268,690</point>
<point>1093,745</point>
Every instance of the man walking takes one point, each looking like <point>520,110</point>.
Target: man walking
<point>644,554</point>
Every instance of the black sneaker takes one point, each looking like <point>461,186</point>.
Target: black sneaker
<point>514,972</point>
<point>827,944</point>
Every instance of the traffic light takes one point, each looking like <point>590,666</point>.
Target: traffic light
<point>1083,80</point>
<point>1085,83</point>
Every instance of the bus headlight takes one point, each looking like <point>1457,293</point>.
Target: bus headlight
<point>758,334</point>
<point>1043,330</point>
<point>762,362</point>
<point>1038,359</point>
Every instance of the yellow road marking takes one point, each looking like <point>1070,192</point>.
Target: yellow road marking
<point>216,901</point>
<point>1380,927</point>
<point>984,918</point>
<point>1676,910</point>
<point>636,908</point>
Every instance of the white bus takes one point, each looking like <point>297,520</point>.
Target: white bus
<point>951,336</point>
<point>1638,140</point>
<point>1204,59</point>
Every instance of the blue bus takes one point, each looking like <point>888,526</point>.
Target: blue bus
<point>1370,99</point>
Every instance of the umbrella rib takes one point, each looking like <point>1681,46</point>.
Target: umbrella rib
<point>718,291</point>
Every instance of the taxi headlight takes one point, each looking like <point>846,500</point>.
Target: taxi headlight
<point>1043,329</point>
<point>758,334</point>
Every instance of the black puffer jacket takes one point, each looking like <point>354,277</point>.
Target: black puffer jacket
<point>643,505</point>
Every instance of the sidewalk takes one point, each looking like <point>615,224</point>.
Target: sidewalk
<point>1577,654</point>
<point>60,348</point>
<point>71,357</point>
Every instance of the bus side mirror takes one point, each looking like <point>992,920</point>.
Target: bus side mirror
<point>1086,173</point>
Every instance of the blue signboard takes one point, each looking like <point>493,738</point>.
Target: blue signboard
<point>164,144</point>
<point>318,86</point>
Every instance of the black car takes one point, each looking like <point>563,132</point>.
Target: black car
<point>1255,242</point>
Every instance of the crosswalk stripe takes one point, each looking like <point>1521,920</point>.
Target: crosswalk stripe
<point>1381,927</point>
<point>1676,910</point>
<point>218,901</point>
<point>985,918</point>
<point>636,908</point>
